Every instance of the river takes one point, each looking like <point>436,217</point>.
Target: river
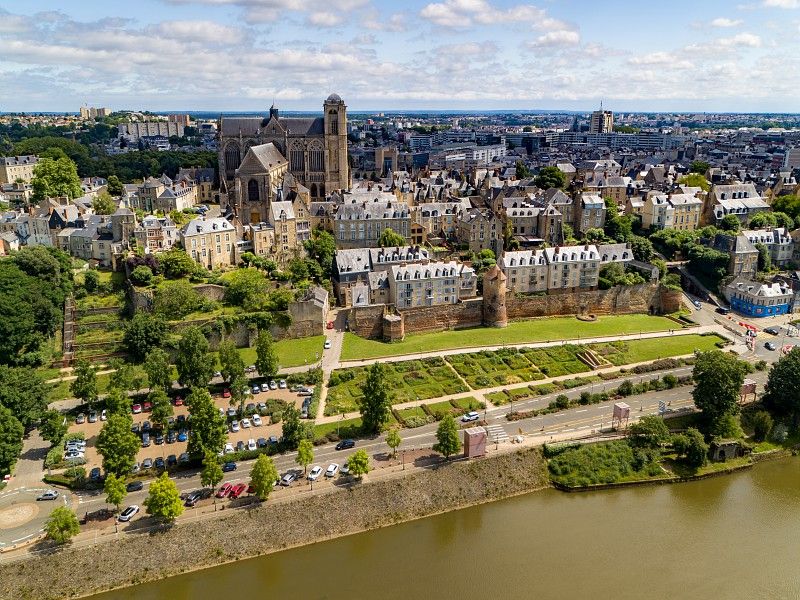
<point>729,537</point>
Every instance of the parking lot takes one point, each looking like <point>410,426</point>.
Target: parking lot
<point>91,430</point>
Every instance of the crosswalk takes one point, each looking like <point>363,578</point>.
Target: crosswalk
<point>496,434</point>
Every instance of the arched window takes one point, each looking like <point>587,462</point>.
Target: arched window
<point>316,160</point>
<point>297,160</point>
<point>333,120</point>
<point>252,191</point>
<point>321,190</point>
<point>313,190</point>
<point>232,159</point>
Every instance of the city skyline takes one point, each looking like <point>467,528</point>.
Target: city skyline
<point>241,55</point>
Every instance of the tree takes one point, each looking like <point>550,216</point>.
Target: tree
<point>194,363</point>
<point>263,476</point>
<point>117,401</point>
<point>161,407</point>
<point>292,428</point>
<point>322,248</point>
<point>115,187</point>
<point>699,166</point>
<point>53,426</point>
<point>211,474</point>
<point>448,442</point>
<point>124,376</point>
<point>782,394</point>
<point>718,378</point>
<point>115,490</point>
<point>176,299</point>
<point>550,177</point>
<point>393,440</point>
<point>176,263</point>
<point>649,432</point>
<point>104,204</point>
<point>141,275</point>
<point>62,525</point>
<point>305,454</point>
<point>642,248</point>
<point>618,227</point>
<point>375,405</point>
<point>764,258</point>
<point>521,170</point>
<point>143,333</point>
<point>164,500</point>
<point>730,223</point>
<point>91,279</point>
<point>24,393</point>
<point>358,463</point>
<point>390,238</point>
<point>55,177</point>
<point>209,431</point>
<point>727,427</point>
<point>266,356</point>
<point>246,288</point>
<point>157,367</point>
<point>117,444</point>
<point>11,432</point>
<point>231,363</point>
<point>692,446</point>
<point>762,425</point>
<point>84,386</point>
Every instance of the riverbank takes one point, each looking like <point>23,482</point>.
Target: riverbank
<point>140,557</point>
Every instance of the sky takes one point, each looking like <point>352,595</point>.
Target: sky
<point>234,55</point>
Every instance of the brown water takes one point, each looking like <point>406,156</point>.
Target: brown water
<point>730,537</point>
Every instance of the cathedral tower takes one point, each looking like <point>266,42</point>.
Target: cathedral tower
<point>337,168</point>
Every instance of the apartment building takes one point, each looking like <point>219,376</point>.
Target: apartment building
<point>156,234</point>
<point>210,242</point>
<point>591,213</point>
<point>359,223</point>
<point>430,284</point>
<point>14,169</point>
<point>671,211</point>
<point>777,240</point>
<point>741,199</point>
<point>134,130</point>
<point>480,229</point>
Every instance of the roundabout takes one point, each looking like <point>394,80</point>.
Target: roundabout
<point>22,516</point>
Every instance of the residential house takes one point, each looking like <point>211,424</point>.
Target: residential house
<point>778,242</point>
<point>156,234</point>
<point>480,229</point>
<point>359,223</point>
<point>17,169</point>
<point>431,283</point>
<point>756,299</point>
<point>741,200</point>
<point>210,242</point>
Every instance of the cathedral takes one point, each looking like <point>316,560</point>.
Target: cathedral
<point>312,150</point>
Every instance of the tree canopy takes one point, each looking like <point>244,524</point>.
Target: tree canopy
<point>263,476</point>
<point>11,432</point>
<point>164,500</point>
<point>358,463</point>
<point>144,333</point>
<point>266,355</point>
<point>24,392</point>
<point>782,392</point>
<point>62,525</point>
<point>195,364</point>
<point>375,405</point>
<point>550,177</point>
<point>84,386</point>
<point>209,430</point>
<point>447,440</point>
<point>158,369</point>
<point>117,444</point>
<point>390,238</point>
<point>718,378</point>
<point>55,177</point>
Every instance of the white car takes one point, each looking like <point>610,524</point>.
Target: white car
<point>257,422</point>
<point>333,468</point>
<point>273,385</point>
<point>314,474</point>
<point>245,423</point>
<point>234,426</point>
<point>229,449</point>
<point>128,513</point>
<point>282,384</point>
<point>251,444</point>
<point>103,415</point>
<point>470,416</point>
<point>265,387</point>
<point>327,345</point>
<point>73,454</point>
<point>48,495</point>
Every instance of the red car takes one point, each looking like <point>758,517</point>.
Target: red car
<point>251,489</point>
<point>237,491</point>
<point>147,406</point>
<point>330,324</point>
<point>136,408</point>
<point>226,393</point>
<point>178,401</point>
<point>224,490</point>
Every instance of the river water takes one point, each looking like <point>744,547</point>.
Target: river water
<point>729,537</point>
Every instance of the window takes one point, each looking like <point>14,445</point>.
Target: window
<point>252,191</point>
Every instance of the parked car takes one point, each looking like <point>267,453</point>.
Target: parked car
<point>136,408</point>
<point>237,490</point>
<point>48,495</point>
<point>723,311</point>
<point>250,408</point>
<point>327,345</point>
<point>73,454</point>
<point>262,442</point>
<point>772,330</point>
<point>180,421</point>
<point>314,473</point>
<point>265,387</point>
<point>332,469</point>
<point>147,463</point>
<point>134,486</point>
<point>135,468</point>
<point>103,415</point>
<point>92,417</point>
<point>288,478</point>
<point>306,392</point>
<point>184,458</point>
<point>273,439</point>
<point>145,440</point>
<point>273,385</point>
<point>229,449</point>
<point>159,438</point>
<point>262,407</point>
<point>770,346</point>
<point>234,426</point>
<point>345,470</point>
<point>256,389</point>
<point>231,412</point>
<point>226,393</point>
<point>197,495</point>
<point>146,426</point>
<point>182,435</point>
<point>257,422</point>
<point>80,419</point>
<point>240,446</point>
<point>127,514</point>
<point>147,406</point>
<point>471,416</point>
<point>224,490</point>
<point>282,384</point>
<point>159,463</point>
<point>346,445</point>
<point>171,437</point>
<point>172,460</point>
<point>251,444</point>
<point>178,401</point>
<point>697,304</point>
<point>228,467</point>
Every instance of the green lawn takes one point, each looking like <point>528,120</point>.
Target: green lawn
<point>517,332</point>
<point>291,353</point>
<point>634,351</point>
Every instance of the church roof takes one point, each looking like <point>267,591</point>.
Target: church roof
<point>250,126</point>
<point>313,126</point>
<point>244,125</point>
<point>267,154</point>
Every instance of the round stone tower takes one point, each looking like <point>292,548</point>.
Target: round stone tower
<point>494,298</point>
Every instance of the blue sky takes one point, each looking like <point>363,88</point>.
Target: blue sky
<point>705,55</point>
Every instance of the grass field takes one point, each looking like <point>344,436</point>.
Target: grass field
<point>517,332</point>
<point>634,351</point>
<point>291,353</point>
<point>408,380</point>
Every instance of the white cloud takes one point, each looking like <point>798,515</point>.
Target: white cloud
<point>726,22</point>
<point>465,13</point>
<point>782,3</point>
<point>557,38</point>
<point>324,19</point>
<point>749,40</point>
<point>372,20</point>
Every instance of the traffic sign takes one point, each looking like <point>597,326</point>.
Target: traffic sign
<point>662,407</point>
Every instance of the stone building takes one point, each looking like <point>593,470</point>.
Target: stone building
<point>210,242</point>
<point>358,223</point>
<point>156,234</point>
<point>480,229</point>
<point>256,183</point>
<point>430,284</point>
<point>494,298</point>
<point>17,168</point>
<point>314,148</point>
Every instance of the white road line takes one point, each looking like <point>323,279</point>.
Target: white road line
<point>582,410</point>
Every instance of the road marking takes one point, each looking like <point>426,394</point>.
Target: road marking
<point>582,410</point>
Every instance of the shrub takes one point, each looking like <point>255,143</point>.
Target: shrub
<point>625,388</point>
<point>585,398</point>
<point>762,423</point>
<point>562,402</point>
<point>780,433</point>
<point>760,365</point>
<point>141,275</point>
